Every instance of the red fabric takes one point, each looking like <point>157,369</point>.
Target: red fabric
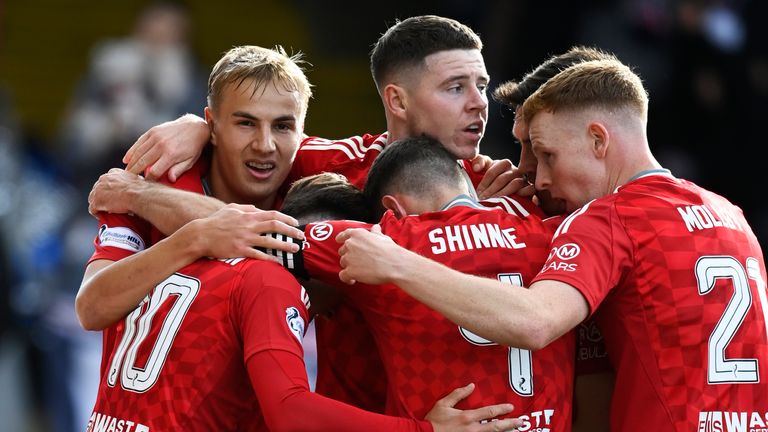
<point>281,385</point>
<point>643,255</point>
<point>211,317</point>
<point>348,363</point>
<point>351,157</point>
<point>127,225</point>
<point>349,367</point>
<point>424,354</point>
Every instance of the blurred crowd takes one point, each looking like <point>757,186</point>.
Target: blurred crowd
<point>705,64</point>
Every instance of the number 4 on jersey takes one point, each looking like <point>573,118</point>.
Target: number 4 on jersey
<point>520,360</point>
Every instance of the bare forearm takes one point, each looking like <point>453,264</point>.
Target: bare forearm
<point>169,209</point>
<point>110,290</point>
<point>503,313</point>
<point>507,314</point>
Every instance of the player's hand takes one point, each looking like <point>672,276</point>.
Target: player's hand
<point>172,146</point>
<point>235,229</point>
<point>111,192</point>
<point>445,418</point>
<point>501,179</point>
<point>368,256</point>
<point>481,163</point>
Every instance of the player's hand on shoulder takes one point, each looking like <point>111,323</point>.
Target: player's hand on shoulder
<point>236,230</point>
<point>110,193</point>
<point>502,179</point>
<point>173,146</point>
<point>445,418</point>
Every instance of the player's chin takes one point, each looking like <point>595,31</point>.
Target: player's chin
<point>466,150</point>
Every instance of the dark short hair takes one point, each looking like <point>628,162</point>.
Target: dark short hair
<point>415,165</point>
<point>325,196</point>
<point>407,43</point>
<point>513,94</point>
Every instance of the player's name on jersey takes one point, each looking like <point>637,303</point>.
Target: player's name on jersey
<point>730,421</point>
<point>708,216</point>
<point>102,423</point>
<point>474,236</point>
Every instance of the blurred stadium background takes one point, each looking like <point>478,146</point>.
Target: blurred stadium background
<point>80,81</point>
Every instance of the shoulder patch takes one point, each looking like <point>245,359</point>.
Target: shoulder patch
<point>295,322</point>
<point>321,231</point>
<point>120,237</point>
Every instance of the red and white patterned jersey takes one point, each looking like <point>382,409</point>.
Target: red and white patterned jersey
<point>679,279</point>
<point>426,355</point>
<point>353,157</point>
<point>348,362</point>
<point>177,362</point>
<point>123,235</point>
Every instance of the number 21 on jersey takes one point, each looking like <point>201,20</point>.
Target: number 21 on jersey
<point>520,360</point>
<point>709,269</point>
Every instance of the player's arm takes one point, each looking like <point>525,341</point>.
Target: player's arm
<point>120,191</point>
<point>509,315</point>
<point>168,209</point>
<point>316,262</point>
<point>172,146</point>
<point>111,289</point>
<point>279,380</point>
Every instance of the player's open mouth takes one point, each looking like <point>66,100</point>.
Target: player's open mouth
<point>260,170</point>
<point>475,128</point>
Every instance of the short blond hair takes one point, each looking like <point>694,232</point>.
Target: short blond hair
<point>606,84</point>
<point>263,66</point>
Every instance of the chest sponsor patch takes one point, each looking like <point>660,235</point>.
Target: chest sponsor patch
<point>120,237</point>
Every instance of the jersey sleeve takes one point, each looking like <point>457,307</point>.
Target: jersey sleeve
<point>120,236</point>
<point>280,382</point>
<point>351,157</point>
<point>590,251</point>
<point>318,255</point>
<point>321,251</point>
<point>270,310</point>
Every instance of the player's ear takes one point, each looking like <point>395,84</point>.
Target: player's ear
<point>599,135</point>
<point>390,202</point>
<point>210,120</point>
<point>394,99</point>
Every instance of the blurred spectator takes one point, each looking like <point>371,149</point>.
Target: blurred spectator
<point>132,84</point>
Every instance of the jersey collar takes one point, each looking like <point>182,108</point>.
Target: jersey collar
<point>647,173</point>
<point>463,200</point>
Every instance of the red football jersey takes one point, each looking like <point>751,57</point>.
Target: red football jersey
<point>679,279</point>
<point>123,235</point>
<point>348,361</point>
<point>177,362</point>
<point>424,354</point>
